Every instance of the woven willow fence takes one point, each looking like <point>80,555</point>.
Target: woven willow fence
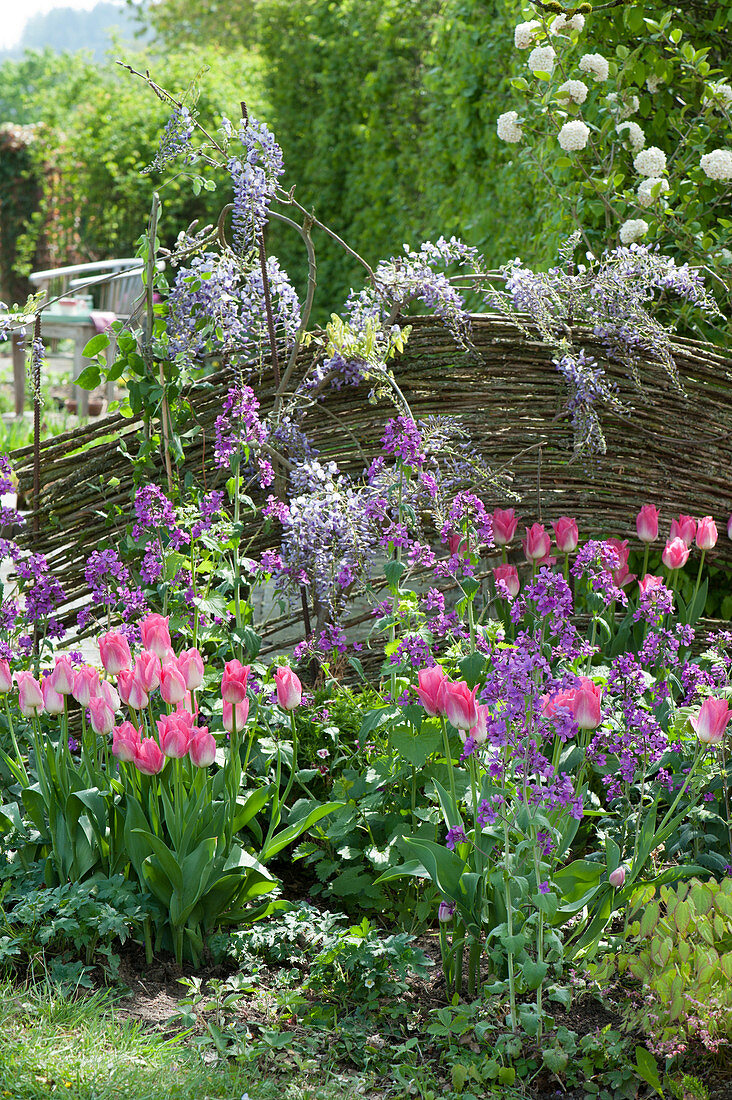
<point>674,448</point>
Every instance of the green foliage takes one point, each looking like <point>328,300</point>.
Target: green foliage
<point>54,924</point>
<point>679,948</point>
<point>98,129</point>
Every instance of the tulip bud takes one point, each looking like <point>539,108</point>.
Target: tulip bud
<point>131,690</point>
<point>646,523</point>
<point>62,676</point>
<point>706,533</point>
<point>148,758</point>
<point>566,534</point>
<point>202,749</point>
<point>6,678</point>
<point>172,684</point>
<point>234,682</point>
<point>125,742</point>
<point>683,528</point>
<point>289,688</point>
<point>445,911</point>
<point>431,690</point>
<point>53,701</point>
<point>30,695</point>
<point>114,650</point>
<point>537,543</point>
<point>86,685</point>
<point>505,522</point>
<point>508,576</point>
<point>175,735</point>
<point>155,635</point>
<point>711,721</point>
<point>147,671</point>
<point>101,716</point>
<point>675,554</point>
<point>190,663</point>
<point>240,711</point>
<point>617,877</point>
<point>460,705</point>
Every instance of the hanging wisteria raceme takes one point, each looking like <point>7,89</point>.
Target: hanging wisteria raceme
<point>254,175</point>
<point>217,309</point>
<point>175,143</point>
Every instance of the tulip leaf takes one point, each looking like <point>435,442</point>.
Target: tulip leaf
<point>167,860</point>
<point>292,832</point>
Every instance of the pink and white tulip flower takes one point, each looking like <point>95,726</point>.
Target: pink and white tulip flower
<point>289,688</point>
<point>646,523</point>
<point>711,721</point>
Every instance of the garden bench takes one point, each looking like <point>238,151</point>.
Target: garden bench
<point>115,284</point>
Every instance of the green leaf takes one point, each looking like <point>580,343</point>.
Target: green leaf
<point>534,973</point>
<point>393,571</point>
<point>292,832</point>
<point>89,378</point>
<point>96,344</point>
<point>472,668</point>
<point>648,1069</point>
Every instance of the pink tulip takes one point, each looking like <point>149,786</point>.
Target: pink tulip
<point>190,663</point>
<point>202,748</point>
<point>172,684</point>
<point>62,676</point>
<point>537,543</point>
<point>456,544</point>
<point>109,694</point>
<point>155,635</point>
<point>706,533</point>
<point>125,742</point>
<point>431,690</point>
<point>683,528</point>
<point>617,877</point>
<point>711,721</point>
<point>460,706</point>
<point>86,685</point>
<point>240,711</point>
<point>131,690</point>
<point>649,583</point>
<point>586,705</point>
<point>6,678</point>
<point>566,534</point>
<point>53,701</point>
<point>174,734</point>
<point>621,575</point>
<point>114,649</point>
<point>505,522</point>
<point>507,575</point>
<point>148,758</point>
<point>479,731</point>
<point>147,671</point>
<point>646,523</point>
<point>101,715</point>
<point>560,700</point>
<point>30,694</point>
<point>234,682</point>
<point>289,688</point>
<point>675,554</point>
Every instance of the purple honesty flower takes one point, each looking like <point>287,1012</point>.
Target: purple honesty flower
<point>455,836</point>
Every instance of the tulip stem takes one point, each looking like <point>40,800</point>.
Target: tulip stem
<point>293,767</point>
<point>18,757</point>
<point>647,551</point>
<point>725,789</point>
<point>448,760</point>
<point>698,580</point>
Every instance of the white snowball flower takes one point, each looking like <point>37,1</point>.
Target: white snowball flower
<point>725,256</point>
<point>596,64</point>
<point>567,23</point>
<point>717,165</point>
<point>650,161</point>
<point>626,105</point>
<point>572,90</point>
<point>718,95</point>
<point>508,127</point>
<point>653,83</point>
<point>573,135</point>
<point>632,132</point>
<point>646,187</point>
<point>525,34</point>
<point>633,230</point>
<point>541,59</point>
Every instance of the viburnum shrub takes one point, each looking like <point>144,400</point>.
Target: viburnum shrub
<point>580,129</point>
